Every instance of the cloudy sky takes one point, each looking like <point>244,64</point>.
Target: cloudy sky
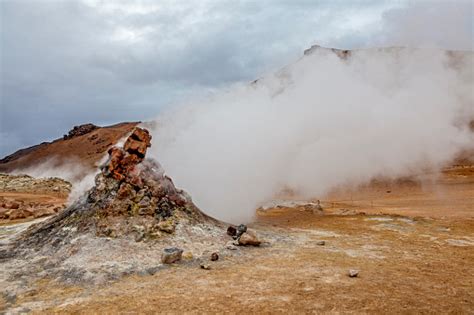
<point>65,63</point>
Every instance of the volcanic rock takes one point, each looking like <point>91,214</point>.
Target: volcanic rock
<point>80,130</point>
<point>171,255</point>
<point>214,256</point>
<point>241,229</point>
<point>232,231</point>
<point>236,232</point>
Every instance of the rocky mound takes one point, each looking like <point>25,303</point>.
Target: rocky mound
<point>133,221</point>
<point>26,183</point>
<point>132,198</point>
<point>80,130</point>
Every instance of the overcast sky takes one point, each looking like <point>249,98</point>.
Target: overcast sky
<point>65,63</point>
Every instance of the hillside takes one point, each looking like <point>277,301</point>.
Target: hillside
<point>85,143</point>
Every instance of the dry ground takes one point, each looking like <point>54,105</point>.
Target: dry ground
<point>422,262</point>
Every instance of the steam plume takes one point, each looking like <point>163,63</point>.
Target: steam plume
<point>319,123</point>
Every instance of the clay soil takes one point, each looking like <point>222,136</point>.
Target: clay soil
<point>413,247</point>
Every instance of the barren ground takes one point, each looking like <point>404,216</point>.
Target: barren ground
<point>421,262</point>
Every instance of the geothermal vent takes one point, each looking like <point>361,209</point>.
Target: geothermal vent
<point>132,198</point>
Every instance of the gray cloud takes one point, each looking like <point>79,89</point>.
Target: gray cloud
<point>70,62</point>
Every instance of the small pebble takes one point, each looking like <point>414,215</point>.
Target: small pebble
<point>353,273</point>
<point>205,266</point>
<point>214,256</point>
<point>231,247</point>
<point>321,243</point>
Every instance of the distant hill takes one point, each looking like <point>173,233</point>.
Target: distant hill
<point>85,143</point>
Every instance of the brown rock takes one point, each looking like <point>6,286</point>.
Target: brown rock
<point>214,256</point>
<point>129,161</point>
<point>171,255</point>
<point>249,238</point>
<point>166,226</point>
<point>122,162</point>
<point>133,146</point>
<point>16,214</point>
<point>13,205</point>
<point>115,157</point>
<point>138,142</point>
<point>142,135</point>
<point>126,191</point>
<point>231,230</point>
<point>4,213</point>
<point>57,209</point>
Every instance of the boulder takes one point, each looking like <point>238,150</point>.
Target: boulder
<point>171,255</point>
<point>232,231</point>
<point>249,238</point>
<point>138,142</point>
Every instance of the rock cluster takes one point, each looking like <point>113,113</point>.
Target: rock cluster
<point>17,204</point>
<point>15,210</point>
<point>28,184</point>
<point>123,161</point>
<point>80,130</point>
<point>243,236</point>
<point>130,186</point>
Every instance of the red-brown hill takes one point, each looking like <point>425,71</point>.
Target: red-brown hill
<point>86,144</point>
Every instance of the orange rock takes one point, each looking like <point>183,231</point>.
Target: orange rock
<point>135,147</point>
<point>142,135</point>
<point>122,162</point>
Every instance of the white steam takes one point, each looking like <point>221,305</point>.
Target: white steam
<point>80,176</point>
<point>317,124</point>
